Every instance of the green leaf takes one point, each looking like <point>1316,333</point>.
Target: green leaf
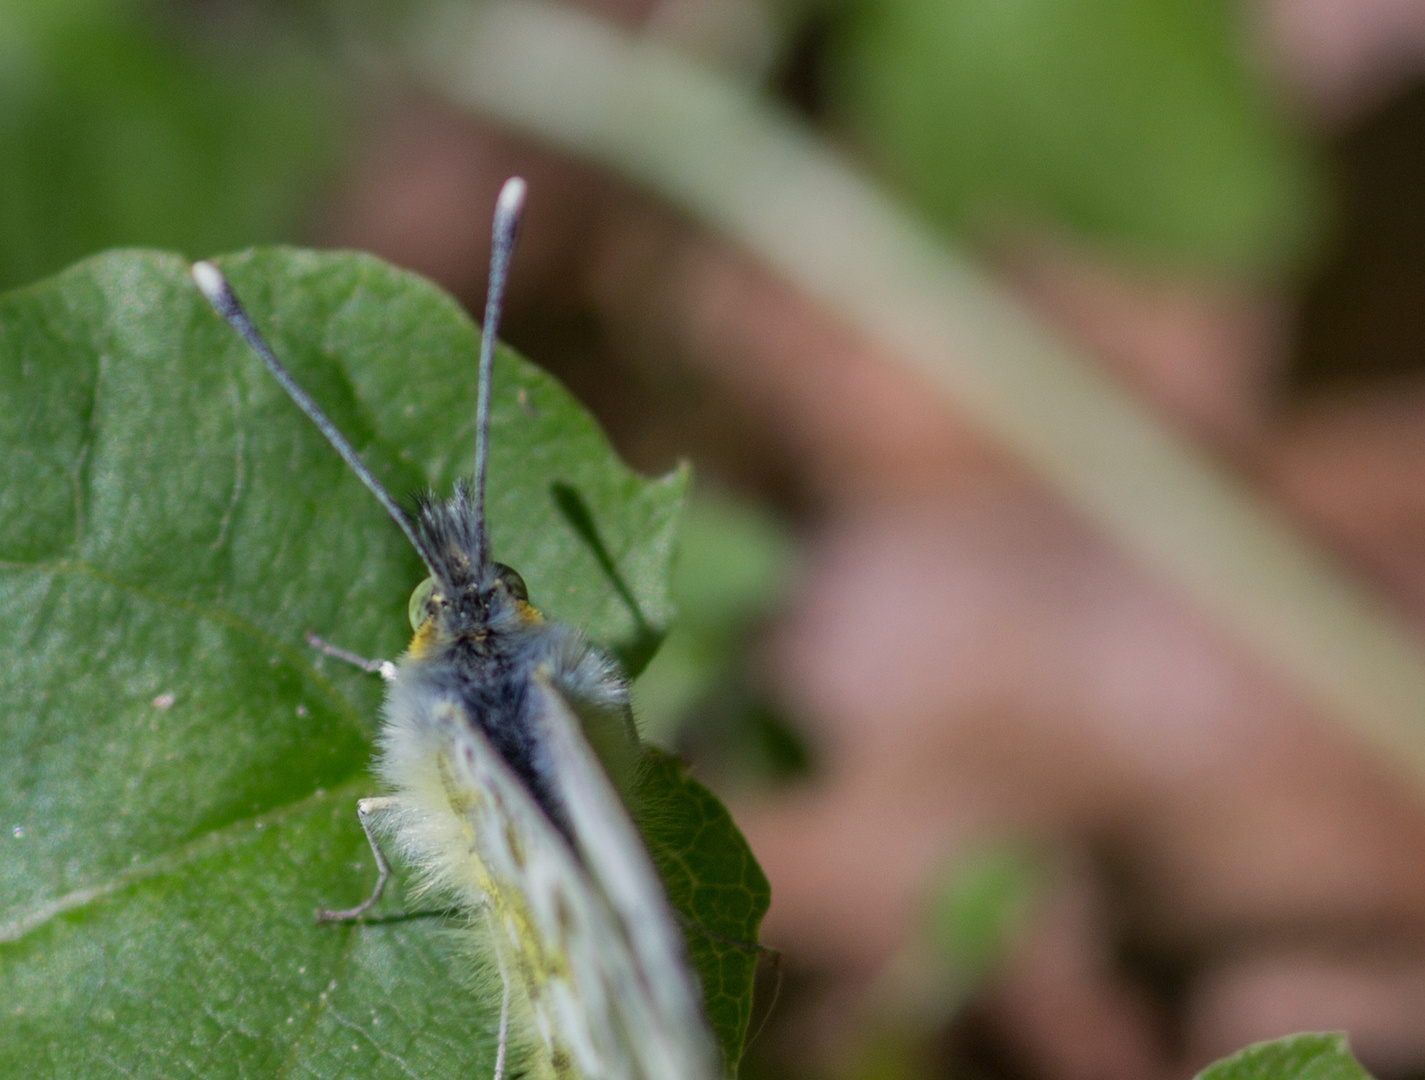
<point>178,772</point>
<point>1136,121</point>
<point>1297,1057</point>
<point>980,906</point>
<point>116,130</point>
<point>714,882</point>
<point>734,565</point>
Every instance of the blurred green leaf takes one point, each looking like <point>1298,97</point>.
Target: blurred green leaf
<point>179,772</point>
<point>734,565</point>
<point>116,128</point>
<point>1297,1057</point>
<point>980,906</point>
<point>1137,121</point>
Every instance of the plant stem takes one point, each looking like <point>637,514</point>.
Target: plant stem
<point>753,172</point>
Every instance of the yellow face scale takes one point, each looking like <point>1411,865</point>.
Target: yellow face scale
<point>427,632</point>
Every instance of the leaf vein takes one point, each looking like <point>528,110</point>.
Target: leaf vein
<point>245,830</point>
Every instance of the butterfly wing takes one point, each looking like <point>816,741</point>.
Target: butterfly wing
<point>673,1035</point>
<point>469,823</point>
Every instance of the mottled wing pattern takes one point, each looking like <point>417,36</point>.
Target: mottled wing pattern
<point>665,1015</point>
<point>476,832</point>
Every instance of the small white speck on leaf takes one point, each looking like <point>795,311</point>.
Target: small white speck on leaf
<point>163,702</point>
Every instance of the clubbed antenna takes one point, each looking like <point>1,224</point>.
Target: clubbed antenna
<point>225,302</point>
<point>503,234</point>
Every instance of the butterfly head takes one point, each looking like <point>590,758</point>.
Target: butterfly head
<point>466,595</point>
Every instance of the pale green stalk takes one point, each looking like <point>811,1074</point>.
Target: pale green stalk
<point>750,170</point>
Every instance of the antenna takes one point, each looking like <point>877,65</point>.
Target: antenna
<point>225,302</point>
<point>505,230</point>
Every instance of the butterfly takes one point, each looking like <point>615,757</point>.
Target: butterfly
<point>505,741</point>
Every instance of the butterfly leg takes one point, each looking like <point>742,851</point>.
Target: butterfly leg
<point>504,1030</point>
<point>384,668</point>
<point>503,1041</point>
<point>364,809</point>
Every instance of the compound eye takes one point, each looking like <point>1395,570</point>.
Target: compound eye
<point>512,581</point>
<point>420,607</point>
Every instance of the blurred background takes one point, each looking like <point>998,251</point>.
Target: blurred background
<point>1030,808</point>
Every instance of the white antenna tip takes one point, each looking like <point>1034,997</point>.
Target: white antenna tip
<point>211,281</point>
<point>511,200</point>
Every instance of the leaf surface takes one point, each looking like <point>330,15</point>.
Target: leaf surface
<point>178,771</point>
<point>713,882</point>
<point>1297,1057</point>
